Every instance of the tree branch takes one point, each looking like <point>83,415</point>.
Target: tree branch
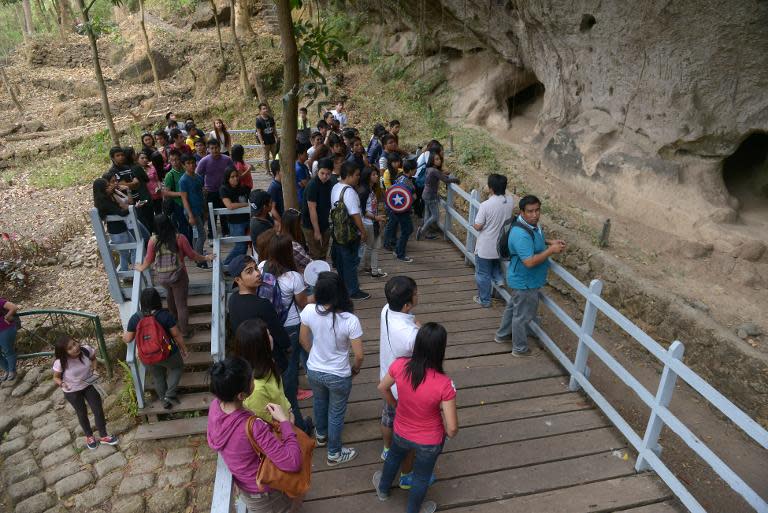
<point>87,10</point>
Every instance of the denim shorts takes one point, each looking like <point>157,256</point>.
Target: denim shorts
<point>388,415</point>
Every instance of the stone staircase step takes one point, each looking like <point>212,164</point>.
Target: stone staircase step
<point>194,380</point>
<point>172,428</point>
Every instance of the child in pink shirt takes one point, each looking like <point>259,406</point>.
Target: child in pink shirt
<point>423,391</point>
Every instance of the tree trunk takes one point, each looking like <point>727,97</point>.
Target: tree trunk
<point>99,76</point>
<point>290,103</point>
<point>28,27</point>
<point>44,15</point>
<point>155,76</point>
<point>65,18</point>
<point>20,21</point>
<point>247,93</point>
<point>242,16</point>
<point>218,30</point>
<point>9,88</point>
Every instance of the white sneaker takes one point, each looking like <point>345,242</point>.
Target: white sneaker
<point>376,480</point>
<point>428,507</point>
<point>346,455</point>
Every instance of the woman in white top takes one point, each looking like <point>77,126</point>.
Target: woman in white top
<point>368,190</point>
<point>328,330</point>
<point>280,263</point>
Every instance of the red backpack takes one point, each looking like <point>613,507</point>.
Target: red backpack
<point>152,341</point>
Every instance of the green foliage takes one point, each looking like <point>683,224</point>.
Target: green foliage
<point>127,397</point>
<point>320,49</point>
<point>83,164</point>
<point>170,9</point>
<point>473,151</point>
<point>100,27</point>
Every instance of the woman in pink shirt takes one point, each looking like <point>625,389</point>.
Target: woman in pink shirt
<point>423,391</point>
<point>155,161</point>
<point>167,251</point>
<point>231,382</point>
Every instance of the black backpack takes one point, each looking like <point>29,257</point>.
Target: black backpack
<point>502,243</point>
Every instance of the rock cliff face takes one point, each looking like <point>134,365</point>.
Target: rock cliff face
<point>642,101</point>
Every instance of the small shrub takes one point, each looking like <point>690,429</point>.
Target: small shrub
<point>127,397</point>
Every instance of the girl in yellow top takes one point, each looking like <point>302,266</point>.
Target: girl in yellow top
<point>254,343</point>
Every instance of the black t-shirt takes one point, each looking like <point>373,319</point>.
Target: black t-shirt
<point>125,175</point>
<point>320,193</point>
<point>162,316</point>
<point>259,226</point>
<point>243,307</point>
<point>236,195</point>
<point>140,173</point>
<point>113,209</point>
<point>267,126</point>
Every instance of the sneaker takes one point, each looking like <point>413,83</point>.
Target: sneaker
<point>384,453</point>
<point>91,443</point>
<point>502,340</point>
<point>431,236</point>
<point>376,480</point>
<point>522,354</point>
<point>428,507</point>
<point>418,233</point>
<point>304,394</point>
<point>173,400</point>
<point>360,296</point>
<point>406,259</point>
<point>406,481</point>
<point>378,273</point>
<point>321,441</point>
<point>203,265</point>
<point>11,376</point>
<point>476,299</point>
<point>109,440</point>
<point>346,455</point>
<point>388,247</point>
<point>167,404</point>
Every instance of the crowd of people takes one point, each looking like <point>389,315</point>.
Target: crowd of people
<point>354,199</point>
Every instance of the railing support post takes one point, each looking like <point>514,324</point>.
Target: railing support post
<point>448,222</point>
<point>106,258</point>
<point>663,397</point>
<point>587,328</point>
<point>471,239</point>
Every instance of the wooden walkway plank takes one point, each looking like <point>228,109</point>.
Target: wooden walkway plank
<point>487,486</point>
<point>602,496</point>
<point>456,464</point>
<point>660,507</point>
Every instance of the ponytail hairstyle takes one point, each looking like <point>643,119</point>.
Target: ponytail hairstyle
<point>158,163</point>
<point>166,233</point>
<point>150,301</point>
<point>428,353</point>
<point>101,199</point>
<point>230,378</point>
<point>60,352</point>
<point>253,344</point>
<point>330,292</point>
<point>238,153</point>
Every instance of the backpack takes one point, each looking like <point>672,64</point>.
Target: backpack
<point>502,243</point>
<point>166,266</point>
<point>421,169</point>
<point>343,229</point>
<point>153,344</point>
<point>270,290</point>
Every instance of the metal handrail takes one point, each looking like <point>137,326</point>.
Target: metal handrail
<point>647,446</point>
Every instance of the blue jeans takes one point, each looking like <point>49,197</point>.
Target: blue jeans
<point>127,256</point>
<point>330,395</point>
<point>291,373</point>
<point>8,349</point>
<point>241,248</point>
<point>346,258</point>
<point>487,272</point>
<point>180,220</point>
<point>432,217</point>
<point>406,229</point>
<point>423,465</point>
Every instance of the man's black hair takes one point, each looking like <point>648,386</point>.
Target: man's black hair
<point>530,199</point>
<point>175,133</point>
<point>409,164</point>
<point>213,142</point>
<point>394,123</point>
<point>322,124</point>
<point>379,130</point>
<point>326,114</point>
<point>274,167</point>
<point>168,115</point>
<point>186,158</point>
<point>263,104</point>
<point>303,109</point>
<point>174,152</point>
<point>160,132</point>
<point>114,150</point>
<point>301,148</point>
<point>348,169</point>
<point>399,291</point>
<point>348,133</point>
<point>497,183</point>
<point>386,138</point>
<point>325,164</point>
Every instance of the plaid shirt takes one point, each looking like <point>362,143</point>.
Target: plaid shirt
<point>300,257</point>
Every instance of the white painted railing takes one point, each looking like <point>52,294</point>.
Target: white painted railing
<point>647,446</point>
<point>131,304</point>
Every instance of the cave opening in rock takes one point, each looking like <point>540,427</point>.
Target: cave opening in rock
<point>525,100</point>
<point>745,174</point>
<point>587,22</point>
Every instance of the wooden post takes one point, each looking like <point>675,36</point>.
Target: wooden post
<point>663,397</point>
<point>471,239</point>
<point>587,328</point>
<point>447,222</point>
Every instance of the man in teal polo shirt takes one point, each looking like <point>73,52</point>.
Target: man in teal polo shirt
<point>527,273</point>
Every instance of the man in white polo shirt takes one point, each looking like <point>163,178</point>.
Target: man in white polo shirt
<point>396,339</point>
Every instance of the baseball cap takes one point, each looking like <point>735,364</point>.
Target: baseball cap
<point>258,199</point>
<point>237,264</point>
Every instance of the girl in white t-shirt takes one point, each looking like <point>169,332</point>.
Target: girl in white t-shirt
<point>73,371</point>
<point>368,191</point>
<point>281,264</point>
<point>328,330</point>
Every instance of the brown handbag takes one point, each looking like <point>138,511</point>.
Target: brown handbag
<point>293,484</point>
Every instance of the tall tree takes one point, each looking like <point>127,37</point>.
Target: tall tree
<point>65,17</point>
<point>28,27</point>
<point>241,13</point>
<point>105,109</point>
<point>218,30</point>
<point>155,76</point>
<point>247,92</point>
<point>290,103</point>
<point>44,15</point>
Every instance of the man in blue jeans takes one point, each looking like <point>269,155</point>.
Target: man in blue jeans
<point>490,219</point>
<point>527,273</point>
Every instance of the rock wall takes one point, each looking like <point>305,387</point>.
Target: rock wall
<point>643,100</point>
